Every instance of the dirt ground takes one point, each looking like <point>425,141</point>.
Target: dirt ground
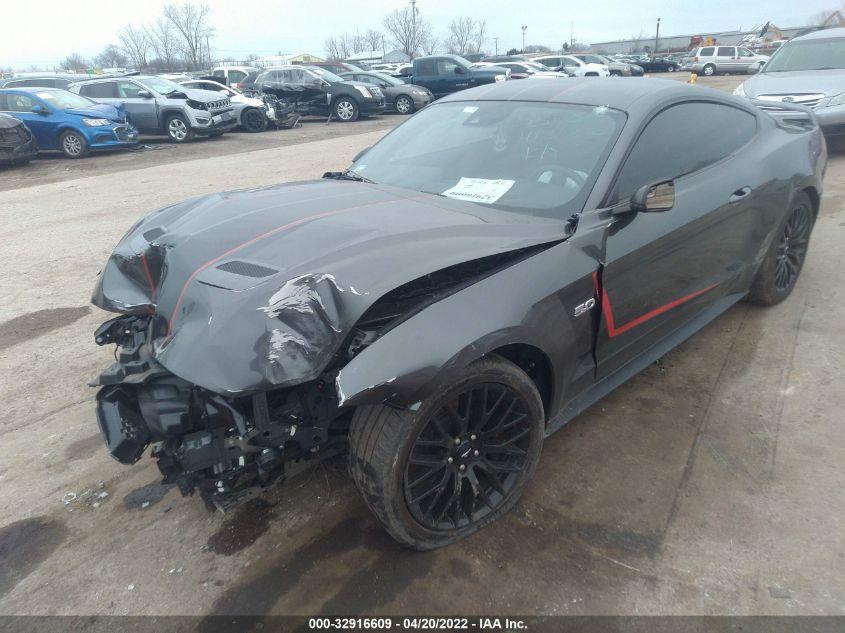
<point>711,483</point>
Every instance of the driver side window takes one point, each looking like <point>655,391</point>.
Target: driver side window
<point>670,147</point>
<point>446,67</point>
<point>128,90</point>
<point>19,103</point>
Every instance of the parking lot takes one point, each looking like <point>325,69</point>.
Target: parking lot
<point>711,483</point>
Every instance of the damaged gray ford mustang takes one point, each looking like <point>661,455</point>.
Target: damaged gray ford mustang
<point>489,269</point>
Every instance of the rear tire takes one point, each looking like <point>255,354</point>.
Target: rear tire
<point>463,459</point>
<point>784,261</point>
<point>73,144</point>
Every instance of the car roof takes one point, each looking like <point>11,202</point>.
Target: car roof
<point>32,89</point>
<point>821,34</point>
<point>621,93</point>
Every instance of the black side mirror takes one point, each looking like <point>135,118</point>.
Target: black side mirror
<point>459,70</point>
<point>145,94</point>
<point>40,110</point>
<point>360,154</point>
<point>657,197</point>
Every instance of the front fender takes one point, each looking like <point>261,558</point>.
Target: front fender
<point>528,303</point>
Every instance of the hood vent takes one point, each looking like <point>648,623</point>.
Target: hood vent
<point>246,269</point>
<point>154,233</point>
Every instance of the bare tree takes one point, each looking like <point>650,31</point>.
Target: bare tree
<point>480,35</point>
<point>332,47</point>
<point>164,43</point>
<point>407,30</point>
<point>74,61</point>
<point>374,40</point>
<point>352,44</point>
<point>136,44</point>
<point>430,44</point>
<point>191,23</point>
<point>461,36</point>
<point>111,57</point>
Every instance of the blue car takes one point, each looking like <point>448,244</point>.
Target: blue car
<point>64,121</point>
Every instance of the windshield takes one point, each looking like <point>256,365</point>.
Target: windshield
<point>535,67</point>
<point>808,55</point>
<point>62,99</point>
<point>161,86</point>
<point>534,158</point>
<point>326,74</point>
<point>390,80</point>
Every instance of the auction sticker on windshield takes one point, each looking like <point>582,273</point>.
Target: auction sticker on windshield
<point>479,190</point>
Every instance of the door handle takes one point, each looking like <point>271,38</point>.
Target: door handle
<point>739,194</point>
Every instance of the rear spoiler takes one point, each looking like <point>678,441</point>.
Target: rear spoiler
<point>790,113</point>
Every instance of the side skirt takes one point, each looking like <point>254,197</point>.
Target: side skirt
<point>607,384</point>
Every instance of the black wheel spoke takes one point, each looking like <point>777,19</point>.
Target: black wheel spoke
<point>433,488</point>
<point>468,456</point>
<point>427,461</point>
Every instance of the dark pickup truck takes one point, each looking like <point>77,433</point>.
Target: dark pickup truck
<point>445,74</point>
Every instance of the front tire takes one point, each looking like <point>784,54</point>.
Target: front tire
<point>783,263</point>
<point>73,144</point>
<point>463,459</point>
<point>253,120</point>
<point>346,109</point>
<point>404,104</point>
<point>709,70</point>
<point>178,129</point>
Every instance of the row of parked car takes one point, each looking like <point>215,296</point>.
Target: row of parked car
<point>77,114</point>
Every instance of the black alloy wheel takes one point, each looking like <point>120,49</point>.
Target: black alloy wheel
<point>440,470</point>
<point>782,265</point>
<point>465,462</point>
<point>792,247</point>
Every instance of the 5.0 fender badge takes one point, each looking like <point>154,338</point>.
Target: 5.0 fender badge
<point>581,308</point>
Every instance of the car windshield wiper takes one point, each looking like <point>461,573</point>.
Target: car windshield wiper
<point>347,174</point>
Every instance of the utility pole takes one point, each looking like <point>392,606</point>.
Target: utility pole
<point>413,28</point>
<point>496,40</point>
<point>523,38</point>
<point>571,33</point>
<point>656,38</point>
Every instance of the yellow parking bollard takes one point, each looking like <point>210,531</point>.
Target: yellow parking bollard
<point>692,78</point>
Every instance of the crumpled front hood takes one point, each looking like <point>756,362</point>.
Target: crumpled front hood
<point>257,289</point>
<point>828,82</point>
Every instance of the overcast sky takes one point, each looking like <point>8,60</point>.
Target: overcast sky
<point>45,32</point>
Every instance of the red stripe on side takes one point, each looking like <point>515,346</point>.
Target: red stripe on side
<point>149,277</point>
<point>607,309</point>
<point>257,238</point>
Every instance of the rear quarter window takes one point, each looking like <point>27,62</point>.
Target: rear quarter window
<point>98,91</point>
<point>682,139</point>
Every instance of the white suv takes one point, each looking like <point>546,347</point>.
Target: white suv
<point>232,75</point>
<point>709,60</point>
